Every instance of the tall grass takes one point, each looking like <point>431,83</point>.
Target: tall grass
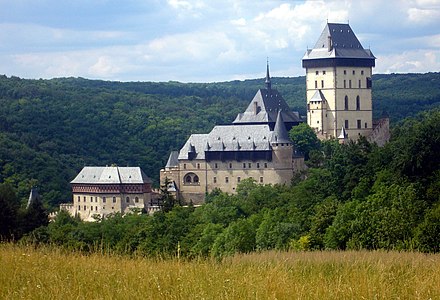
<point>46,273</point>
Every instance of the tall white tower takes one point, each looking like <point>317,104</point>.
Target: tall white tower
<point>338,84</point>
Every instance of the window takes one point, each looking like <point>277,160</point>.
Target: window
<point>198,166</point>
<point>359,126</point>
<point>362,72</point>
<point>79,207</point>
<point>349,84</point>
<point>79,198</point>
<point>215,179</point>
<point>85,207</point>
<point>345,84</point>
<point>238,179</point>
<point>317,72</point>
<point>196,179</point>
<point>258,165</point>
<point>227,179</point>
<point>345,72</point>
<point>103,199</point>
<point>96,199</point>
<point>114,199</point>
<point>216,165</point>
<point>358,103</point>
<point>230,165</point>
<point>244,165</point>
<point>127,199</point>
<point>322,84</point>
<point>316,84</point>
<point>323,72</point>
<point>369,83</point>
<point>91,207</point>
<point>188,179</point>
<point>366,125</point>
<point>191,178</point>
<point>249,165</point>
<point>354,72</point>
<point>261,179</point>
<point>96,208</point>
<point>184,166</point>
<point>84,198</point>
<point>136,199</point>
<point>346,124</point>
<point>265,165</point>
<point>360,83</point>
<point>346,103</point>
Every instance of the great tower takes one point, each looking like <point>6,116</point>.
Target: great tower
<point>338,84</point>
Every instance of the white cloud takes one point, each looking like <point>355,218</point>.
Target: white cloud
<point>417,61</point>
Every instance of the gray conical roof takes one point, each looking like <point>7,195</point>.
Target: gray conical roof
<point>280,134</point>
<point>343,134</point>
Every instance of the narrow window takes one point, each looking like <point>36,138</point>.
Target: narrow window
<point>91,207</point>
<point>261,179</point>
<point>359,126</point>
<point>216,165</point>
<point>354,72</point>
<point>362,72</point>
<point>136,199</point>
<point>349,84</point>
<point>258,165</point>
<point>265,165</point>
<point>84,198</point>
<point>238,179</point>
<point>85,207</point>
<point>230,165</point>
<point>184,166</point>
<point>317,72</point>
<point>323,72</point>
<point>96,208</point>
<point>103,199</point>
<point>316,84</point>
<point>345,84</point>
<point>79,207</point>
<point>346,124</point>
<point>249,165</point>
<point>346,103</point>
<point>215,179</point>
<point>244,165</point>
<point>369,83</point>
<point>366,125</point>
<point>198,166</point>
<point>358,103</point>
<point>227,179</point>
<point>127,199</point>
<point>79,198</point>
<point>322,84</point>
<point>114,199</point>
<point>345,72</point>
<point>360,83</point>
<point>196,178</point>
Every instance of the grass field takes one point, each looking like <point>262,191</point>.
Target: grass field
<point>49,273</point>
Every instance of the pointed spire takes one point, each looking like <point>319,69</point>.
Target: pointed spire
<point>343,135</point>
<point>268,82</point>
<point>280,134</point>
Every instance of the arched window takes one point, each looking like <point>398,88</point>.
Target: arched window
<point>358,103</point>
<point>191,178</point>
<point>127,199</point>
<point>346,103</point>
<point>136,199</point>
<point>114,199</point>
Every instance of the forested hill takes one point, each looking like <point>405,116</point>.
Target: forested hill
<point>50,129</point>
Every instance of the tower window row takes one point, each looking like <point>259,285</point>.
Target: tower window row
<point>358,103</point>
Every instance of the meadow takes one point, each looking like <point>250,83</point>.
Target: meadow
<point>51,273</point>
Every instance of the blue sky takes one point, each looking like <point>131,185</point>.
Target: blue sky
<point>205,41</point>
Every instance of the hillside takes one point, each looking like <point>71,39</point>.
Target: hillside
<point>49,129</point>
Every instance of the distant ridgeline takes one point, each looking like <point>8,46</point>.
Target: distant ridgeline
<point>50,129</point>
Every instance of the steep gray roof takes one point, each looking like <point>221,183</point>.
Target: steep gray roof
<point>318,96</point>
<point>338,41</point>
<point>264,108</point>
<point>280,134</point>
<point>111,175</point>
<point>173,159</point>
<point>228,138</point>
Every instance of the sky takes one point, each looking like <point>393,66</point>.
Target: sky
<point>205,40</point>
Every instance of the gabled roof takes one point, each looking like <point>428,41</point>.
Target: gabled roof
<point>173,159</point>
<point>280,134</point>
<point>338,41</point>
<point>229,138</point>
<point>111,175</point>
<point>264,108</point>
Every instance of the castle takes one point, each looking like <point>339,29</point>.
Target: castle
<point>256,145</point>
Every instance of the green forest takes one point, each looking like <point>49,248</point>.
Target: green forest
<point>353,196</point>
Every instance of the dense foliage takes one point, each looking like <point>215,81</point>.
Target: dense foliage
<point>360,197</point>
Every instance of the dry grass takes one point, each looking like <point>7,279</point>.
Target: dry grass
<point>51,274</point>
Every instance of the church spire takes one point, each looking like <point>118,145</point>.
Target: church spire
<point>268,82</point>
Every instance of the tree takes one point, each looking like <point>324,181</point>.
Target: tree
<point>9,206</point>
<point>304,139</point>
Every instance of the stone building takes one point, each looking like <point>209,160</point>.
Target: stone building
<point>256,145</point>
<point>99,191</point>
<point>338,85</point>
